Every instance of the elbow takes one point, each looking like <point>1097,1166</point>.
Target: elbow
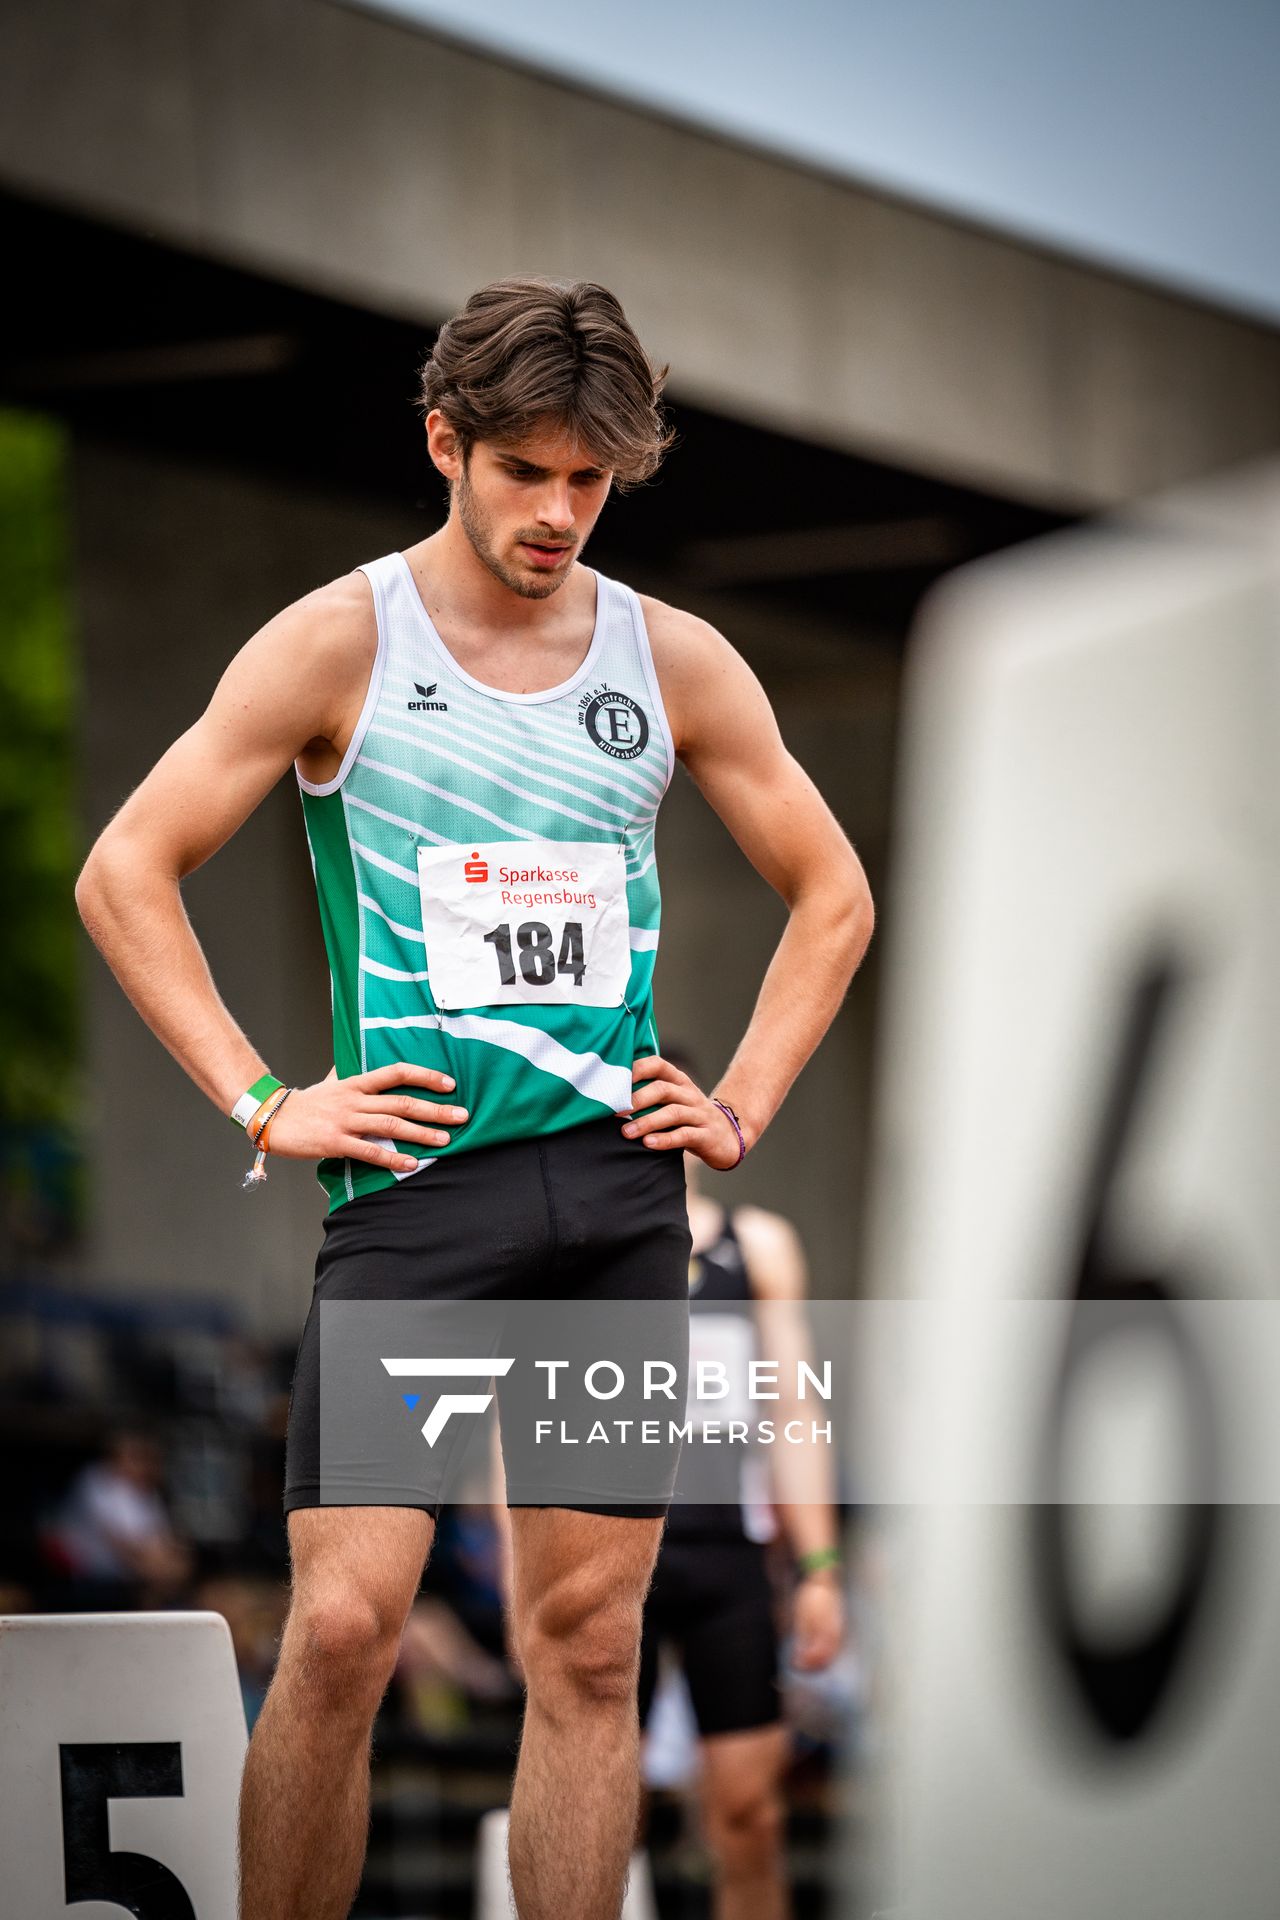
<point>90,892</point>
<point>867,914</point>
<point>839,901</point>
<point>119,872</point>
<point>856,914</point>
<point>86,888</point>
<point>97,882</point>
<point>863,924</point>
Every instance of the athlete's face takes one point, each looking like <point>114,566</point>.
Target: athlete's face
<point>527,507</point>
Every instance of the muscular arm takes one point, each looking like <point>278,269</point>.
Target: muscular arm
<point>282,691</point>
<point>728,738</point>
<point>293,688</point>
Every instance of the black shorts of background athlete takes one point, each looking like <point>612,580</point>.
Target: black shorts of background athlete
<point>580,1214</point>
<point>712,1601</point>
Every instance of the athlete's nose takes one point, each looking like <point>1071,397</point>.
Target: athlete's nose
<point>555,511</point>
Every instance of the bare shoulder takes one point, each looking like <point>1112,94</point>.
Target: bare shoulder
<point>333,627</point>
<point>695,663</point>
<point>774,1253</point>
<point>308,668</point>
<point>683,643</point>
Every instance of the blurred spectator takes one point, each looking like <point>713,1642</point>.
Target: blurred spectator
<point>254,1609</point>
<point>112,1538</point>
<point>441,1670</point>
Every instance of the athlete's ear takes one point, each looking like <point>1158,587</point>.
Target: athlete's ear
<point>443,445</point>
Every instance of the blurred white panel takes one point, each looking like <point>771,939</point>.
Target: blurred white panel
<point>1078,1100</point>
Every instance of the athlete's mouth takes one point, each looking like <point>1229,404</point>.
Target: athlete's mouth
<point>545,553</point>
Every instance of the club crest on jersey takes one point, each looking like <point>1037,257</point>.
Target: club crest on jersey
<point>614,722</point>
<point>427,704</point>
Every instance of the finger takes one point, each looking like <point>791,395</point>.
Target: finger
<point>658,1090</point>
<point>377,1154</point>
<point>424,1112</point>
<point>403,1073</point>
<point>678,1137</point>
<point>392,1127</point>
<point>654,1067</point>
<point>669,1116</point>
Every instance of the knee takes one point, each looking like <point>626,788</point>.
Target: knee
<point>345,1646</point>
<point>583,1647</point>
<point>745,1827</point>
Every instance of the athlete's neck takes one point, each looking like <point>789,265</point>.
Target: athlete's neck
<point>457,586</point>
<point>503,640</point>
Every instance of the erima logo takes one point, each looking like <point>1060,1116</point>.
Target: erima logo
<point>427,704</point>
<point>482,1369</point>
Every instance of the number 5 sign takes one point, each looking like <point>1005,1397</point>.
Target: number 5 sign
<point>122,1739</point>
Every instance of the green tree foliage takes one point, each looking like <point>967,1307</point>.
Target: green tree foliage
<point>40,1086</point>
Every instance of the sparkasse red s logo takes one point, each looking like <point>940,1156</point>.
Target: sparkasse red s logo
<point>476,869</point>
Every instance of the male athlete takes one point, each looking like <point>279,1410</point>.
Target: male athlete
<point>483,703</point>
<point>711,1596</point>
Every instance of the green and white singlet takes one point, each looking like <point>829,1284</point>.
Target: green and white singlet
<point>484,863</point>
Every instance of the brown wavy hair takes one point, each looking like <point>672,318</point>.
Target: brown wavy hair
<point>526,351</point>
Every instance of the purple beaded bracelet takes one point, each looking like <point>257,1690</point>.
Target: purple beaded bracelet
<point>736,1124</point>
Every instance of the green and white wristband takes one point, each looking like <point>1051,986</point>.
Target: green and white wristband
<point>248,1103</point>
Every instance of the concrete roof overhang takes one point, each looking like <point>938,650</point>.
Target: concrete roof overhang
<point>352,157</point>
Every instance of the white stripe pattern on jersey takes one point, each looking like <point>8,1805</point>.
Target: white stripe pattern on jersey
<point>406,933</point>
<point>384,865</point>
<point>440,793</point>
<point>568,756</point>
<point>498,780</point>
<point>483,742</point>
<point>591,1075</point>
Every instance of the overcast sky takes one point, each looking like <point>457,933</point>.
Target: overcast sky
<point>1143,133</point>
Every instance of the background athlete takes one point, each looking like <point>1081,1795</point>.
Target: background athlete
<point>481,698</point>
<point>712,1600</point>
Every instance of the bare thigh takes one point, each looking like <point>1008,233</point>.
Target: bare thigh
<point>570,1566</point>
<point>739,1768</point>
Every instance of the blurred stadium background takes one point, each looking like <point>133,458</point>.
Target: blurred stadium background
<point>229,233</point>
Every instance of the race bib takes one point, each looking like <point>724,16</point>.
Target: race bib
<point>526,923</point>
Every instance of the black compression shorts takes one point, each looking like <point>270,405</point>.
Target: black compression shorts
<point>712,1601</point>
<point>584,1214</point>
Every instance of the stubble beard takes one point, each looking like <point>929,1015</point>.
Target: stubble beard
<point>479,531</point>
